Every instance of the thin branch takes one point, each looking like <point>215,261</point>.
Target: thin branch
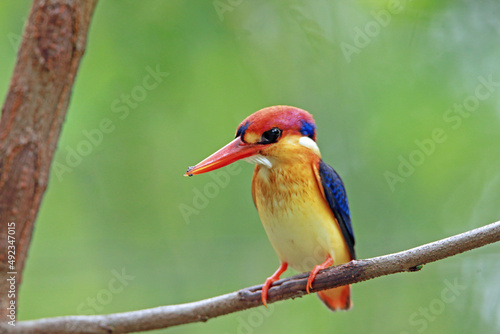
<point>349,273</point>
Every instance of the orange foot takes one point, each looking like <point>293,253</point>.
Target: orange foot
<point>274,277</point>
<point>328,262</point>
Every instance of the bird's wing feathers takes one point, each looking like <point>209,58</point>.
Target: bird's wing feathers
<point>335,195</point>
<point>254,178</point>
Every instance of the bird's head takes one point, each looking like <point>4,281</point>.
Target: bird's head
<point>270,136</point>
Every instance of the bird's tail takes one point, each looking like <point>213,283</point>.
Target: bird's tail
<point>337,298</point>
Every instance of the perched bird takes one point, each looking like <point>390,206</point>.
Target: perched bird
<point>301,200</point>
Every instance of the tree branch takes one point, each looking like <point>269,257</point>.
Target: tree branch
<point>349,273</point>
<point>51,49</point>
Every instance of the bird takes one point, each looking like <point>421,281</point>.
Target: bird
<point>301,200</point>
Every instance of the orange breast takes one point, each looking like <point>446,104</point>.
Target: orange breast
<point>296,217</point>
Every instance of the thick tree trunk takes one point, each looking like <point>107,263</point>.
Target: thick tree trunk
<point>51,49</point>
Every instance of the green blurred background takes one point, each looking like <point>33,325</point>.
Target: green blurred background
<point>384,81</point>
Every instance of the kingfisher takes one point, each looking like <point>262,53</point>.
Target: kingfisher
<point>301,200</point>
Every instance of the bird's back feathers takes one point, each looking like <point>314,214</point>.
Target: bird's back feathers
<point>336,196</point>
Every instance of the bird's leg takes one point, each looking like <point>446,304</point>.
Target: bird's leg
<point>328,262</point>
<point>274,277</point>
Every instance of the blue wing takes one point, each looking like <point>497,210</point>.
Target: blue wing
<point>336,197</point>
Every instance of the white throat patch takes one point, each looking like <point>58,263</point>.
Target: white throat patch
<point>310,144</point>
<point>259,159</point>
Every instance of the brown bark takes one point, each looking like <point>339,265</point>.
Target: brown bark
<point>292,287</point>
<point>48,58</point>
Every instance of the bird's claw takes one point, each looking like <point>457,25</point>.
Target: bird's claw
<point>328,262</point>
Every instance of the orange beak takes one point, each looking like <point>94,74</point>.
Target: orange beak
<point>234,151</point>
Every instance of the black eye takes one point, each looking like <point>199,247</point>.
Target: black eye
<point>270,136</point>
